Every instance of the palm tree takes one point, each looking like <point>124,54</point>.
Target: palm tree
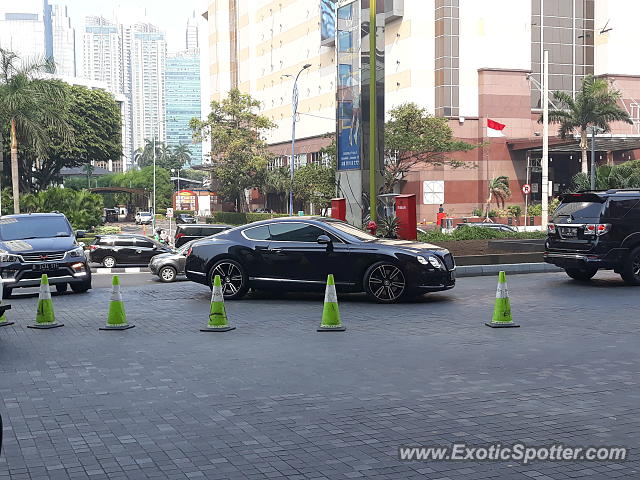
<point>594,105</point>
<point>499,189</point>
<point>29,105</point>
<point>608,177</point>
<point>144,155</point>
<point>182,154</point>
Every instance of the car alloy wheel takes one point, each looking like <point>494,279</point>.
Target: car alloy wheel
<point>167,274</point>
<point>108,262</point>
<point>385,282</point>
<point>232,276</point>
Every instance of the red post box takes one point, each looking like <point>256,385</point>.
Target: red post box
<point>406,214</point>
<point>440,217</point>
<point>339,209</point>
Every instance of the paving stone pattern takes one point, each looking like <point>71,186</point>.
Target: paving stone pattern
<point>275,399</point>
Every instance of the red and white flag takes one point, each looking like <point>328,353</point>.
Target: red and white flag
<point>494,129</point>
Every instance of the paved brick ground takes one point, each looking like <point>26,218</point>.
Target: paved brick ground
<point>274,399</point>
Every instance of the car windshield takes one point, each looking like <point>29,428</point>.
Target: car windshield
<point>22,228</point>
<point>353,231</point>
<point>579,210</point>
<point>145,214</point>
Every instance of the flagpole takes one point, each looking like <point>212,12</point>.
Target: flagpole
<point>545,141</point>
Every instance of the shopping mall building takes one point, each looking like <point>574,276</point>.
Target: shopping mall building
<point>466,60</point>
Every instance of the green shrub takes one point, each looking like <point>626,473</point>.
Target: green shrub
<point>515,210</point>
<point>477,212</point>
<point>82,208</point>
<point>475,233</point>
<point>188,212</point>
<point>535,210</point>
<point>241,218</point>
<point>493,213</point>
<point>107,230</point>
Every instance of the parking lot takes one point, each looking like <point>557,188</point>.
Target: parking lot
<point>276,399</point>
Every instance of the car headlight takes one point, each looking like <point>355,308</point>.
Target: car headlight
<point>430,260</point>
<point>8,257</point>
<point>76,252</point>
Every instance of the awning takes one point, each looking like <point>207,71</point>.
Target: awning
<point>604,143</point>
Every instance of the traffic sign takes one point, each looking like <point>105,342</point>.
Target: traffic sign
<point>526,189</point>
<point>169,212</point>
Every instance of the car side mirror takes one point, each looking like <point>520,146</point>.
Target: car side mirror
<point>324,240</point>
<point>81,234</point>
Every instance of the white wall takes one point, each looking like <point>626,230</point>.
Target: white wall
<point>493,33</point>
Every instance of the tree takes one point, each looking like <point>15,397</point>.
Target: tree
<point>625,175</point>
<point>144,155</point>
<point>594,105</point>
<point>315,183</point>
<point>182,155</point>
<point>413,137</point>
<point>29,104</point>
<point>143,178</point>
<point>82,208</point>
<point>499,189</point>
<point>239,152</point>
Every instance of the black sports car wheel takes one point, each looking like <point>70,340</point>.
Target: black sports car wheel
<point>385,283</point>
<point>235,282</point>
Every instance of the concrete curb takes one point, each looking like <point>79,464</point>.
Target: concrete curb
<point>108,271</point>
<point>510,268</point>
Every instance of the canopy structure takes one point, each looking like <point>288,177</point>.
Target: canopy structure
<point>604,143</point>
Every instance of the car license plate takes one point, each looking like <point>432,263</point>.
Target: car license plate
<point>568,232</point>
<point>46,266</point>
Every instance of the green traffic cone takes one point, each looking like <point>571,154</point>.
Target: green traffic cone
<point>502,309</point>
<point>3,308</point>
<point>117,318</point>
<point>217,313</point>
<point>330,312</point>
<point>45,317</point>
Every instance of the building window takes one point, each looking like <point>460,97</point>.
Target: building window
<point>433,192</point>
<point>447,73</point>
<point>566,30</point>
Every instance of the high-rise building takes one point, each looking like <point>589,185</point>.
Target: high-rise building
<point>130,58</point>
<point>192,41</point>
<point>22,28</point>
<point>148,63</point>
<point>60,39</point>
<point>464,60</point>
<point>39,29</point>
<point>183,100</point>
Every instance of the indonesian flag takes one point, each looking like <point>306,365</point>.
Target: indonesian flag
<point>494,129</point>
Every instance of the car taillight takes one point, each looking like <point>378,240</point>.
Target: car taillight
<point>179,235</point>
<point>93,247</point>
<point>597,228</point>
<point>188,252</point>
<point>551,228</point>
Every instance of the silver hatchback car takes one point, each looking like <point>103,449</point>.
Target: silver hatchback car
<point>167,266</point>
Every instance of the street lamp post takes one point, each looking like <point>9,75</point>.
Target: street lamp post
<point>294,111</point>
<point>594,129</point>
<point>153,218</point>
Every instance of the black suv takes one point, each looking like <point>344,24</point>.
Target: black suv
<point>187,232</point>
<point>37,243</point>
<point>595,230</point>
<point>112,250</point>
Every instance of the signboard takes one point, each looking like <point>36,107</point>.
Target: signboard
<point>327,22</point>
<point>169,212</point>
<point>186,200</point>
<point>348,137</point>
<point>526,189</point>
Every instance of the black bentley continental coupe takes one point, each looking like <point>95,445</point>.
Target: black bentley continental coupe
<point>297,253</point>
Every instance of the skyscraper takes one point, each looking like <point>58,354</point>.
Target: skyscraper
<point>148,57</point>
<point>60,39</point>
<point>183,100</point>
<point>192,33</point>
<point>22,28</point>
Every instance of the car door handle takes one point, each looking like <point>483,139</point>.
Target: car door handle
<point>138,251</point>
<point>277,251</point>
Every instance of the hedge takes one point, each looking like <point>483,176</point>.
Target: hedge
<point>188,212</point>
<point>240,218</point>
<point>475,233</point>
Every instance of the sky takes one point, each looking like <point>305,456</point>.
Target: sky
<point>170,15</point>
